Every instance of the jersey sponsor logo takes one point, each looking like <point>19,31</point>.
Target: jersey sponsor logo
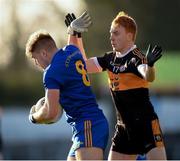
<point>70,57</point>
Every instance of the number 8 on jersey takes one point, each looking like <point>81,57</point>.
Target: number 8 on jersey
<point>80,69</point>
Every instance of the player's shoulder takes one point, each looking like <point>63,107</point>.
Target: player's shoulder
<point>70,48</point>
<point>108,54</point>
<point>55,68</point>
<point>106,58</point>
<point>72,52</point>
<point>49,71</point>
<point>138,53</point>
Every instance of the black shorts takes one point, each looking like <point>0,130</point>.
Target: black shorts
<point>138,137</point>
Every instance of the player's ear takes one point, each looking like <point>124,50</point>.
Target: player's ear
<point>129,36</point>
<point>44,53</point>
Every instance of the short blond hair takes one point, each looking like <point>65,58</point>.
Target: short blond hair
<point>37,40</point>
<point>127,22</point>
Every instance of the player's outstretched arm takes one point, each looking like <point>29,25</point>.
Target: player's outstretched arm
<point>76,39</point>
<point>152,55</point>
<point>147,72</point>
<point>47,110</point>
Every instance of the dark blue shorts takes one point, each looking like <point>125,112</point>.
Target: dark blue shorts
<point>89,133</point>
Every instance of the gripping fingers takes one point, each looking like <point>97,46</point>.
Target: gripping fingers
<point>87,21</point>
<point>87,24</point>
<point>73,16</point>
<point>69,19</point>
<point>157,57</point>
<point>158,49</point>
<point>154,48</point>
<point>67,22</point>
<point>84,14</point>
<point>157,54</point>
<point>86,18</point>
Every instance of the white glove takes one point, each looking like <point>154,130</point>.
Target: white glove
<point>80,24</point>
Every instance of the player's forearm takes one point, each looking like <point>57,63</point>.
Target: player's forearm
<point>45,115</point>
<point>147,72</point>
<point>81,48</point>
<point>41,116</point>
<point>72,40</point>
<point>90,64</point>
<point>77,41</point>
<point>150,74</point>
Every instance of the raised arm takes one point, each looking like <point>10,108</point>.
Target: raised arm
<point>75,28</point>
<point>148,70</point>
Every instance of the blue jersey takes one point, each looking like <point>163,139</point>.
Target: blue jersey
<point>67,72</point>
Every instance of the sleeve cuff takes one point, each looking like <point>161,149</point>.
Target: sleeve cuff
<point>97,64</point>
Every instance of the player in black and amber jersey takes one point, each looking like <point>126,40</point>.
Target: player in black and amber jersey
<point>129,73</point>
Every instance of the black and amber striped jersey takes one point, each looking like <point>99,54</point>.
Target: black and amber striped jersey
<point>122,71</point>
<point>129,89</point>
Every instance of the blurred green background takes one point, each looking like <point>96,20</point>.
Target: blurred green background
<point>21,83</point>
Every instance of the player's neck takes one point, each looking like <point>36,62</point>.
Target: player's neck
<point>126,50</point>
<point>53,52</point>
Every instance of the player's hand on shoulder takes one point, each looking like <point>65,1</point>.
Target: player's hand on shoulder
<point>153,54</point>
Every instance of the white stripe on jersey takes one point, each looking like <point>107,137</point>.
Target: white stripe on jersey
<point>97,63</point>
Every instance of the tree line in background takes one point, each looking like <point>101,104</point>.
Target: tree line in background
<point>158,22</point>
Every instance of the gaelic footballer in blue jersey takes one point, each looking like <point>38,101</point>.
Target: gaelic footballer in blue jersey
<point>67,87</point>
